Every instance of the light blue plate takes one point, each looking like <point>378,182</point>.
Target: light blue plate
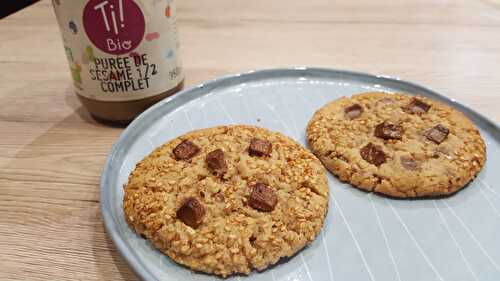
<point>365,237</point>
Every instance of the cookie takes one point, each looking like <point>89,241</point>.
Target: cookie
<point>396,144</point>
<point>228,199</point>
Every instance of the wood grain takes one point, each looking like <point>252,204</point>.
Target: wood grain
<point>51,152</point>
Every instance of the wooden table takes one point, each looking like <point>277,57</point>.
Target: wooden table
<point>52,152</point>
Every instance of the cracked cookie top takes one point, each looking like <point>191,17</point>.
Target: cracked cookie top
<point>398,145</point>
<point>228,199</point>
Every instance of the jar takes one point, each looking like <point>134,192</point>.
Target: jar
<point>123,55</point>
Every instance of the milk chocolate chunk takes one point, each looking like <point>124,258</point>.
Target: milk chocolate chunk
<point>260,147</point>
<point>353,111</point>
<point>262,198</point>
<point>417,106</point>
<point>373,154</point>
<point>385,101</point>
<point>191,212</point>
<point>185,150</point>
<point>216,162</point>
<point>408,163</point>
<point>388,131</point>
<point>437,134</point>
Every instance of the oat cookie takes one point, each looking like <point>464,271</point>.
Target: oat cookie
<point>396,144</point>
<point>228,199</point>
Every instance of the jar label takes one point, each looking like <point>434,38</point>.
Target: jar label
<point>120,50</point>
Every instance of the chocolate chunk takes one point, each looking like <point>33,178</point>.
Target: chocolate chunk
<point>252,239</point>
<point>384,101</point>
<point>417,106</point>
<point>437,134</point>
<point>262,198</point>
<point>259,147</point>
<point>216,162</point>
<point>185,150</point>
<point>373,154</point>
<point>388,131</point>
<point>191,212</point>
<point>353,111</point>
<point>409,163</point>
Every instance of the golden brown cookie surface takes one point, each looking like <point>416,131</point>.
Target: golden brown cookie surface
<point>228,199</point>
<point>396,144</point>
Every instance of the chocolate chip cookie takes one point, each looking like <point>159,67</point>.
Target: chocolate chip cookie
<point>228,199</point>
<point>398,145</point>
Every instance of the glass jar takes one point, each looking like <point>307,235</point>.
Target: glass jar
<point>123,55</point>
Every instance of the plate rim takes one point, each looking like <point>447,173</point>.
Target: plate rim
<point>188,94</point>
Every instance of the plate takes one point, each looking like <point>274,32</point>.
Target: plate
<point>365,236</point>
